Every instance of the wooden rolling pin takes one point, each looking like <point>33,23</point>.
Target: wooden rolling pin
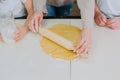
<point>59,40</point>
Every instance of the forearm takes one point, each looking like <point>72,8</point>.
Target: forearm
<point>30,10</point>
<point>87,12</point>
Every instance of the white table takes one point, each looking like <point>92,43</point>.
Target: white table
<point>104,59</point>
<point>26,60</point>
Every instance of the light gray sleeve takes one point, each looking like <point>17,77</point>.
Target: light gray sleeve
<point>23,1</point>
<point>87,12</point>
<point>40,5</point>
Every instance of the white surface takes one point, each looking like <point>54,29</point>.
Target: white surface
<point>104,58</point>
<point>26,60</point>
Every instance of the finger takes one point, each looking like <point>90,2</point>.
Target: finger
<point>96,20</point>
<point>29,25</point>
<point>40,20</point>
<point>79,51</point>
<point>16,37</point>
<point>110,21</point>
<point>101,22</point>
<point>104,20</point>
<point>16,34</point>
<point>112,26</point>
<point>98,23</point>
<point>79,44</point>
<point>84,46</point>
<point>36,24</point>
<point>32,25</point>
<point>85,51</point>
<point>19,38</point>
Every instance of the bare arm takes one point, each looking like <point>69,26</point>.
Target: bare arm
<point>29,7</point>
<point>37,17</point>
<point>22,31</point>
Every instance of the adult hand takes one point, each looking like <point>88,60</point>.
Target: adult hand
<point>100,19</point>
<point>113,23</point>
<point>35,21</point>
<point>84,43</point>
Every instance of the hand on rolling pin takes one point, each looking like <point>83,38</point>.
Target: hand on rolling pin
<point>84,43</point>
<point>35,21</point>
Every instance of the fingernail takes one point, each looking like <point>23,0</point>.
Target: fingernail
<point>33,30</point>
<point>74,50</point>
<point>77,51</point>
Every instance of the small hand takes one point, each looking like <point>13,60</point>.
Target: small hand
<point>21,32</point>
<point>113,23</point>
<point>84,43</point>
<point>35,21</point>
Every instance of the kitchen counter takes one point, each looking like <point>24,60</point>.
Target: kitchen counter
<point>26,60</point>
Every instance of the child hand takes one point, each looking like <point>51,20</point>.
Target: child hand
<point>113,23</point>
<point>35,21</point>
<point>21,32</point>
<point>100,19</point>
<point>84,42</point>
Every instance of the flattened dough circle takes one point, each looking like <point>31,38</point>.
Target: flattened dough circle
<point>71,33</point>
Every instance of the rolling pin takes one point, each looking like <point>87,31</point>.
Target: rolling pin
<point>58,39</point>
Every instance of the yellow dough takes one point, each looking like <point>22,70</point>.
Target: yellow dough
<point>71,33</point>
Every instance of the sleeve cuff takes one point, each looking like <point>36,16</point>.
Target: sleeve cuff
<point>23,1</point>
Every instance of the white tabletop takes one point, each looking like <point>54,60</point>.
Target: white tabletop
<point>104,59</point>
<point>26,60</point>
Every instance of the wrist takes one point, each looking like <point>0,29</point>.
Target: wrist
<point>97,12</point>
<point>39,12</point>
<point>88,29</point>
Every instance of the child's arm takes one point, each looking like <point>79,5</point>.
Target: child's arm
<point>99,18</point>
<point>24,29</point>
<point>30,10</point>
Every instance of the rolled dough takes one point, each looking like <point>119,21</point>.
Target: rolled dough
<point>69,32</point>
